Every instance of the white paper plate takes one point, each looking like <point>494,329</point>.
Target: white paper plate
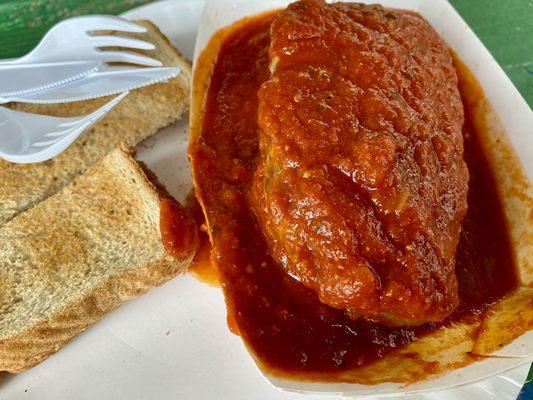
<point>173,343</point>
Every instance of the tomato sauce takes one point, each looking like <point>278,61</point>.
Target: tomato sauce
<point>178,229</point>
<point>201,266</point>
<point>282,322</point>
<point>362,186</point>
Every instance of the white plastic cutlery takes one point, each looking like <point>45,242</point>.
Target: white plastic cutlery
<point>110,81</point>
<point>70,64</point>
<point>30,138</point>
<point>70,42</point>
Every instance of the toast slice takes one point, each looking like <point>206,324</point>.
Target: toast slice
<point>141,114</point>
<point>82,252</point>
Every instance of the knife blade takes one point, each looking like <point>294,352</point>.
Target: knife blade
<point>102,83</point>
<point>19,79</point>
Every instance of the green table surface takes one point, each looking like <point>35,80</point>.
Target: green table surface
<point>504,26</point>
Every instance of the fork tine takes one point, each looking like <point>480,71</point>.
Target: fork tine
<point>121,41</point>
<point>48,142</point>
<point>57,134</point>
<point>127,57</point>
<point>93,23</point>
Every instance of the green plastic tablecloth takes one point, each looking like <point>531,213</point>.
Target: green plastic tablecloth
<point>504,26</point>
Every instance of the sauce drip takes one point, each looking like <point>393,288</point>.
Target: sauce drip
<point>282,322</point>
<point>201,267</point>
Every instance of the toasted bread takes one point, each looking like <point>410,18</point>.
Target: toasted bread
<point>142,113</point>
<point>79,254</point>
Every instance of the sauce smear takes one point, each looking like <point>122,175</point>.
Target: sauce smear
<point>178,229</point>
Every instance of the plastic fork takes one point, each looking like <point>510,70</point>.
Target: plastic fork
<point>30,138</point>
<point>75,41</point>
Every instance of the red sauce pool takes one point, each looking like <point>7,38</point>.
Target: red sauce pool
<point>282,322</point>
